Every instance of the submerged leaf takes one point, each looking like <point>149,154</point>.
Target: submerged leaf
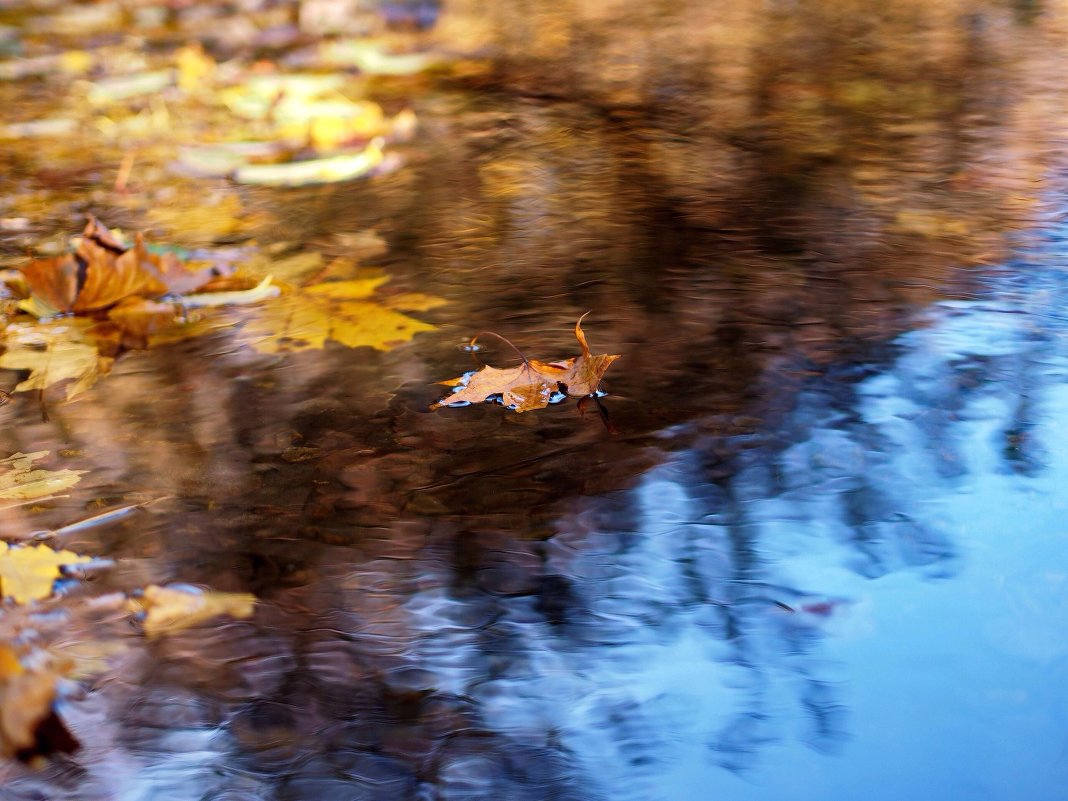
<point>532,384</point>
<point>53,353</point>
<point>170,609</point>
<point>21,481</point>
<point>27,572</point>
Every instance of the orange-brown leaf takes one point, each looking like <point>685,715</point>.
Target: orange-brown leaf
<point>139,319</point>
<point>111,276</point>
<point>531,385</point>
<point>54,281</point>
<point>103,272</point>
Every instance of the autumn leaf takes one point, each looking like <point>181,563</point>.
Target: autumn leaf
<point>532,384</point>
<point>170,609</point>
<point>27,572</point>
<point>102,271</point>
<point>28,722</point>
<point>314,171</point>
<point>21,481</point>
<point>342,311</point>
<point>53,353</point>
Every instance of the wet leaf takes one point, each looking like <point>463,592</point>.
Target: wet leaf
<point>170,609</point>
<point>53,353</point>
<point>27,572</point>
<point>244,297</point>
<point>141,319</point>
<point>103,271</point>
<point>313,171</point>
<point>369,58</point>
<point>532,384</point>
<point>342,311</point>
<point>28,723</point>
<point>20,481</point>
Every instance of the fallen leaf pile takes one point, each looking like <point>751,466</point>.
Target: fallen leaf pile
<point>532,384</point>
<point>86,306</point>
<point>111,290</point>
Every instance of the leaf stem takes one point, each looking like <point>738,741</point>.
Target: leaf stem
<point>507,341</point>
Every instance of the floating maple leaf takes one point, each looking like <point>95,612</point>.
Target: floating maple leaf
<point>532,384</point>
<point>304,319</point>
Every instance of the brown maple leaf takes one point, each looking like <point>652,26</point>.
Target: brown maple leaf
<point>102,271</point>
<point>532,384</point>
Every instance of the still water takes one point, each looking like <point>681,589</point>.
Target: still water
<point>825,555</point>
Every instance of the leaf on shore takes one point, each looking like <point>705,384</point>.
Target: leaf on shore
<point>532,384</point>
<point>313,171</point>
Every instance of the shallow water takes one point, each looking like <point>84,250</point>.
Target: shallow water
<point>823,556</point>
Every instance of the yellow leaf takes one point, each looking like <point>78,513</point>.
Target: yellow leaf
<point>207,222</point>
<point>25,702</point>
<point>288,269</point>
<point>76,62</point>
<point>339,311</point>
<point>194,66</point>
<point>21,482</point>
<point>169,609</point>
<point>53,353</point>
<point>262,291</point>
<point>27,572</point>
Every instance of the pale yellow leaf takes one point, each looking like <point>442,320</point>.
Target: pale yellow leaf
<point>313,171</point>
<point>262,291</point>
<point>22,482</point>
<point>53,353</point>
<point>170,609</point>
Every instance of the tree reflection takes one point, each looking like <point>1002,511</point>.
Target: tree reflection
<point>754,200</point>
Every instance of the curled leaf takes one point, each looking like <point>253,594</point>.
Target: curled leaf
<point>532,384</point>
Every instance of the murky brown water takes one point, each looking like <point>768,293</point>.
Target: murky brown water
<point>755,202</point>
